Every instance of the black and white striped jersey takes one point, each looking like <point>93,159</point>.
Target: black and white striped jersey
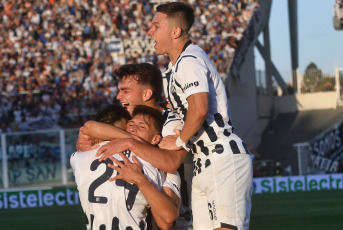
<point>194,73</point>
<point>112,205</point>
<point>172,121</point>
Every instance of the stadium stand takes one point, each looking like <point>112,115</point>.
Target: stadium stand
<point>338,15</point>
<point>57,56</point>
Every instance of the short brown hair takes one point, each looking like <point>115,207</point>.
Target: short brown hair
<point>147,74</point>
<point>111,114</point>
<point>178,10</point>
<point>155,114</point>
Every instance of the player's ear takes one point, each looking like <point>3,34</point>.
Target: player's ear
<point>156,139</point>
<point>147,94</point>
<point>177,32</point>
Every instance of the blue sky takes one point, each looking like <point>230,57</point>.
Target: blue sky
<point>318,41</point>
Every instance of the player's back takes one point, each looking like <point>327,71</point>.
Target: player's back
<point>114,205</point>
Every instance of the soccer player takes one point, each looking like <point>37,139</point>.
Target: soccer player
<point>141,84</point>
<point>222,182</point>
<point>119,204</point>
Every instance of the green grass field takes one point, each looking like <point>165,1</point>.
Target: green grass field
<point>319,210</point>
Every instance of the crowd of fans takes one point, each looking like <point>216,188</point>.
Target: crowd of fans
<point>54,62</point>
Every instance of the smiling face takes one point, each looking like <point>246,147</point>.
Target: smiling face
<point>143,126</point>
<point>130,93</point>
<point>161,33</point>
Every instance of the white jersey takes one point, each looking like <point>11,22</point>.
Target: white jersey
<point>111,205</point>
<point>194,73</point>
<point>171,122</point>
<point>185,213</point>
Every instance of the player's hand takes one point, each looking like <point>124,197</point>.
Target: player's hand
<point>113,147</point>
<point>169,142</point>
<point>85,142</point>
<point>116,146</point>
<point>128,171</point>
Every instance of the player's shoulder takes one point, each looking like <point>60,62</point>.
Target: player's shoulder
<point>191,52</point>
<point>171,122</point>
<point>192,56</point>
<point>168,114</point>
<point>194,51</point>
<point>173,181</point>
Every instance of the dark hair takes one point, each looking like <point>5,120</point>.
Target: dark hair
<point>111,114</point>
<point>178,10</point>
<point>146,73</point>
<point>155,114</point>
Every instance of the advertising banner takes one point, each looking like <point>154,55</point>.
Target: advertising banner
<point>70,195</point>
<point>39,198</point>
<point>298,183</point>
<point>324,151</point>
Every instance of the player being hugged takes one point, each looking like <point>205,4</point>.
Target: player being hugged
<point>135,185</point>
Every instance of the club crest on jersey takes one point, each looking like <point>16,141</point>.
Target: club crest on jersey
<point>173,89</point>
<point>189,85</point>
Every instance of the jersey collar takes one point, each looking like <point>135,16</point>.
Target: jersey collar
<point>184,48</point>
<point>170,66</point>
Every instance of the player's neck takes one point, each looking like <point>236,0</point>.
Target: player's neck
<point>154,104</point>
<point>178,48</point>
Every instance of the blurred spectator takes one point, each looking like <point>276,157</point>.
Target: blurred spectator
<point>256,170</point>
<point>278,169</point>
<point>55,61</point>
<point>265,170</point>
<point>4,128</point>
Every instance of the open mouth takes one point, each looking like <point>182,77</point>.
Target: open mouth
<point>125,104</point>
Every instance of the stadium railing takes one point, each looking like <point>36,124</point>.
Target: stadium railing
<point>37,158</point>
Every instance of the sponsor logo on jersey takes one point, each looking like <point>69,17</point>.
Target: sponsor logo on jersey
<point>173,90</point>
<point>177,188</point>
<point>189,85</point>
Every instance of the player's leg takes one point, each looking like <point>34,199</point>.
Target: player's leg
<point>229,191</point>
<point>201,216</point>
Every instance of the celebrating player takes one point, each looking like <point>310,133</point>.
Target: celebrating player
<point>141,84</point>
<point>222,182</point>
<point>119,204</point>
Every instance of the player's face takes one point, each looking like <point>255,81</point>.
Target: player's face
<point>143,127</point>
<point>161,33</point>
<point>130,93</point>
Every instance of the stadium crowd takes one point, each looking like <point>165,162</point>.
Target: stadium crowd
<point>55,62</point>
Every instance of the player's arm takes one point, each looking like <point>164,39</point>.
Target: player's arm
<point>165,208</point>
<point>156,213</point>
<point>85,142</point>
<point>166,160</point>
<point>195,117</point>
<point>196,114</point>
<point>103,131</point>
<point>97,130</point>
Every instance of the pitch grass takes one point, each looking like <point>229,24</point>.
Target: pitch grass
<point>315,210</point>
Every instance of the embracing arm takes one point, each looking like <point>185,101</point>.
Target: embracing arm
<point>103,131</point>
<point>166,160</point>
<point>164,204</point>
<point>195,117</point>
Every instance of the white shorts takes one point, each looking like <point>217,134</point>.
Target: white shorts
<point>221,194</point>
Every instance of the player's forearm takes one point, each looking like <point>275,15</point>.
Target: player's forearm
<point>166,160</point>
<point>194,120</point>
<point>103,131</point>
<point>160,222</point>
<point>160,203</point>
